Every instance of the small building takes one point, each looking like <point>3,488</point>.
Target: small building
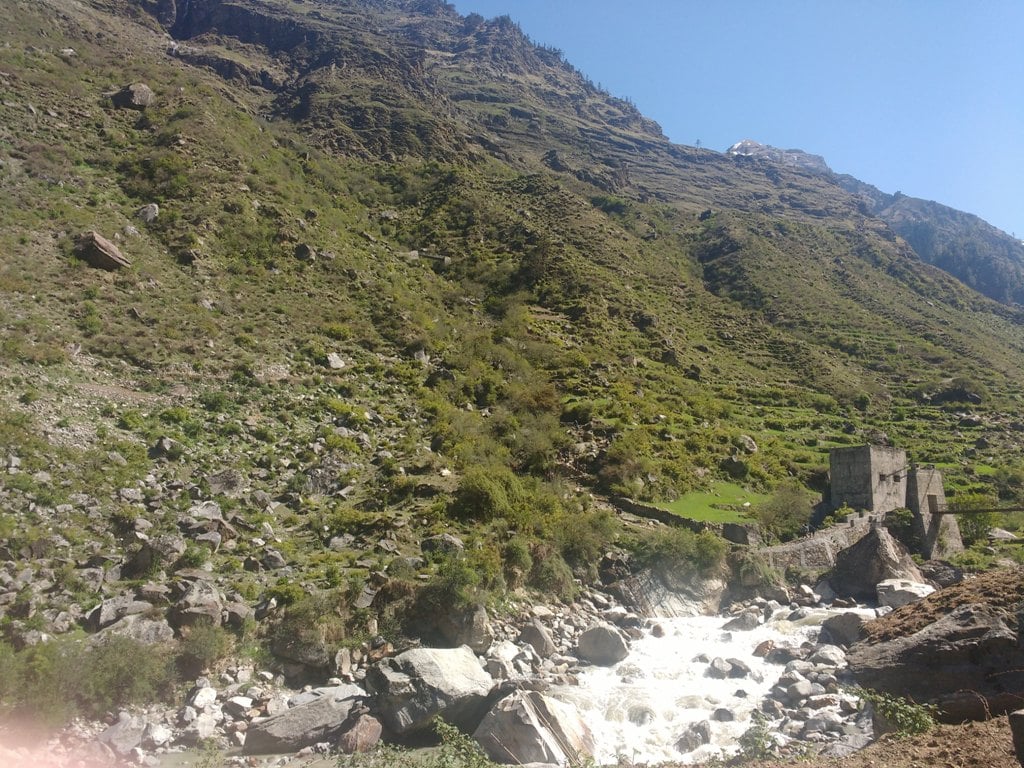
<point>878,479</point>
<point>868,477</point>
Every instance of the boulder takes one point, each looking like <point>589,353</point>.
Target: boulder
<point>529,727</point>
<point>745,622</point>
<point>159,552</point>
<point>828,656</point>
<point>135,96</point>
<point>844,629</point>
<point>320,719</point>
<point>968,663</point>
<point>124,735</point>
<point>200,604</point>
<point>414,687</point>
<point>228,482</point>
<point>695,736</point>
<point>602,644</point>
<point>148,213</point>
<point>470,626</point>
<point>97,251</point>
<point>537,636</point>
<point>359,734</point>
<point>139,627</point>
<point>895,593</point>
<point>873,559</point>
<point>444,543</point>
<point>114,609</point>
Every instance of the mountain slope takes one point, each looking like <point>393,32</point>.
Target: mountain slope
<point>970,249</point>
<point>412,274</point>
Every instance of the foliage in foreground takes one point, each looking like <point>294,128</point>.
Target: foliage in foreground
<point>456,751</point>
<point>56,680</point>
<point>68,676</point>
<point>902,716</point>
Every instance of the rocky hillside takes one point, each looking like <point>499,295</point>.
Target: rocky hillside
<point>292,291</point>
<point>970,249</point>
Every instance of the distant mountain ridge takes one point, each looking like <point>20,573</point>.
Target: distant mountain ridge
<point>962,244</point>
<point>793,157</point>
<point>969,248</point>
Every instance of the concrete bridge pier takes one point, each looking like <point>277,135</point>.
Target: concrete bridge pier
<point>938,533</point>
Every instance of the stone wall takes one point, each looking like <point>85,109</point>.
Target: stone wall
<point>817,552</point>
<point>734,532</point>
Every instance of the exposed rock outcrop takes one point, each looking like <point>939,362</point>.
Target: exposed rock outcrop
<point>876,557</point>
<point>969,663</point>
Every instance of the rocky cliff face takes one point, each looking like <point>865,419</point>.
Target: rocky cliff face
<point>791,157</point>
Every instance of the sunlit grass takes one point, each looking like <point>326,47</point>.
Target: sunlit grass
<point>726,503</point>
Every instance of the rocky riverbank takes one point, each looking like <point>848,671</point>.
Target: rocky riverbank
<point>506,695</point>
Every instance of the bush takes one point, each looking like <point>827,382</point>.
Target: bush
<point>902,716</point>
<point>582,536</point>
<point>203,646</point>
<point>784,515</point>
<point>974,526</point>
<point>681,551</point>
<point>456,751</point>
<point>900,523</point>
<point>57,680</point>
<point>488,493</point>
<point>456,584</point>
<point>517,562</point>
<point>750,568</point>
<point>551,574</point>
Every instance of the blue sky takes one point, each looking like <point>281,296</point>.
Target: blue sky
<point>921,96</point>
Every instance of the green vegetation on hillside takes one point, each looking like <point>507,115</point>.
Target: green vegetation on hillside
<point>398,290</point>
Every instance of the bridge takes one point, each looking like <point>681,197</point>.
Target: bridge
<point>954,509</point>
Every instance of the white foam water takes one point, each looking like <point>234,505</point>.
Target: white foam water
<point>640,707</point>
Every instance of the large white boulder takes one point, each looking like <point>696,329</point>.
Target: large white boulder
<point>528,727</point>
<point>896,593</point>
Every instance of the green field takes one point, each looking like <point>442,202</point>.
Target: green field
<point>724,504</point>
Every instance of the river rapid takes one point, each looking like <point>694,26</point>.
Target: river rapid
<point>638,708</point>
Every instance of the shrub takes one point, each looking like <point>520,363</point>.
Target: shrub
<point>202,646</point>
<point>551,574</point>
<point>456,584</point>
<point>784,515</point>
<point>456,751</point>
<point>194,556</point>
<point>902,716</point>
<point>974,526</point>
<point>488,493</point>
<point>900,523</point>
<point>582,536</point>
<point>681,551</point>
<point>517,562</point>
<point>751,569</point>
<point>57,680</point>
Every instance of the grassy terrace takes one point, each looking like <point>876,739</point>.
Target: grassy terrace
<point>724,503</point>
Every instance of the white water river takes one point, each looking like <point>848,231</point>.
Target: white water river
<point>640,707</point>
